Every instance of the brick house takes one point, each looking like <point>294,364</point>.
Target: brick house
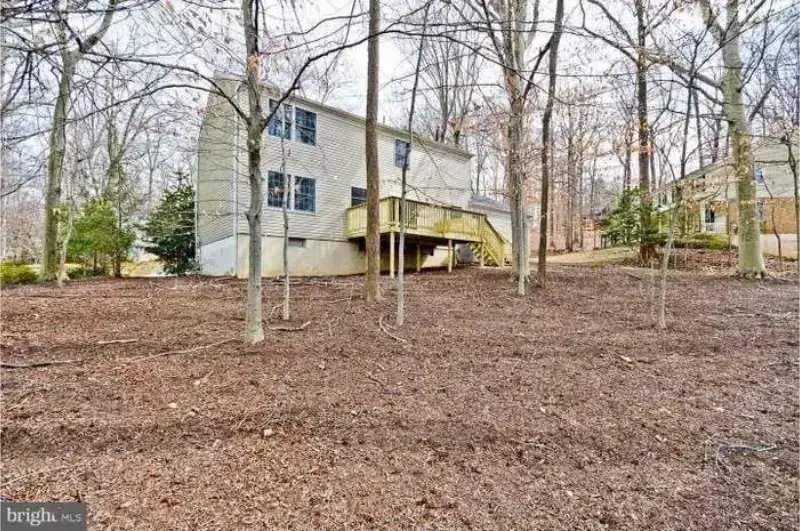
<point>712,195</point>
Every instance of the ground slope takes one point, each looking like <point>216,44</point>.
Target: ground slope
<point>562,410</point>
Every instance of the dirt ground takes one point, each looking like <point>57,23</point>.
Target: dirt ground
<point>561,410</point>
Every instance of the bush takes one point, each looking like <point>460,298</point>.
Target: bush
<point>11,273</point>
<point>97,239</point>
<point>634,221</point>
<point>82,271</point>
<point>170,229</point>
<point>703,240</point>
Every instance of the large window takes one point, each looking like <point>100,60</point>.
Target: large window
<point>275,183</point>
<point>305,194</point>
<point>358,196</point>
<point>400,153</point>
<point>302,121</point>
<point>279,122</point>
<point>306,126</point>
<point>302,196</point>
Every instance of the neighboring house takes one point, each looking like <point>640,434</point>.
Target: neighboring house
<point>711,192</point>
<point>326,171</point>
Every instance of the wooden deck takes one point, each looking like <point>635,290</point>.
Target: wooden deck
<point>439,224</point>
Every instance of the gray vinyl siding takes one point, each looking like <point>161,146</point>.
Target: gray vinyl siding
<point>438,174</point>
<point>717,182</point>
<point>215,170</point>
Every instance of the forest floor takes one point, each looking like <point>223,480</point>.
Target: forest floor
<point>564,409</point>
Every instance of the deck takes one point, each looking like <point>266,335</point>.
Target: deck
<point>433,223</point>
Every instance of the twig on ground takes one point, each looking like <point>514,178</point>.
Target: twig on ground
<point>637,277</point>
<point>290,328</point>
<point>41,471</point>
<point>117,342</point>
<point>36,364</point>
<point>185,351</point>
<point>385,331</point>
<point>376,379</point>
<point>273,310</point>
<point>720,445</point>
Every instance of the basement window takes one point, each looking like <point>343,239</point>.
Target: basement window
<point>297,242</point>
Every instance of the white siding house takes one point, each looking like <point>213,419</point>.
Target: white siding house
<point>325,164</point>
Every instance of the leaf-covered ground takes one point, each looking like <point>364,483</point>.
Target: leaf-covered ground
<point>561,410</point>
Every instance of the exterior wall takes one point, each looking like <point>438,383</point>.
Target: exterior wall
<point>325,257</point>
<point>217,258</point>
<point>438,173</point>
<point>717,182</point>
<point>777,214</point>
<point>215,169</point>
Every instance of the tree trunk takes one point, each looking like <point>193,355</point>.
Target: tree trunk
<point>751,261</point>
<point>646,247</point>
<point>55,168</point>
<point>401,262</point>
<point>787,140</point>
<point>254,328</point>
<point>547,168</point>
<point>568,221</point>
<point>699,128</point>
<point>661,319</point>
<point>516,180</point>
<point>285,208</point>
<point>373,238</point>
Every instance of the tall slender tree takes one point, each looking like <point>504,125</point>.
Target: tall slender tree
<point>373,238</point>
<point>547,144</point>
<point>255,123</point>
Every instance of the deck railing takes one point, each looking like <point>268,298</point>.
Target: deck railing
<point>422,219</point>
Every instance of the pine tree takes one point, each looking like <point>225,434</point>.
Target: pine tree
<point>170,230</point>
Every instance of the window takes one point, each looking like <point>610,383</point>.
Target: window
<point>358,196</point>
<point>305,194</point>
<point>297,242</point>
<point>306,126</point>
<point>275,189</point>
<point>759,176</point>
<point>302,196</point>
<point>277,122</point>
<point>400,152</point>
<point>760,210</point>
<point>710,215</point>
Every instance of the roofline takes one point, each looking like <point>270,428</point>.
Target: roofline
<point>355,118</point>
<point>728,161</point>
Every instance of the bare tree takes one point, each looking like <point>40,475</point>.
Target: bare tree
<point>751,261</point>
<point>255,123</point>
<point>373,237</point>
<point>547,145</point>
<point>72,48</point>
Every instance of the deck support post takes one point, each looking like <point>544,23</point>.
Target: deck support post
<point>391,255</point>
<point>419,265</point>
<point>480,249</point>
<point>449,256</point>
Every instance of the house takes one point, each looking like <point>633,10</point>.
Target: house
<point>710,193</point>
<point>326,170</point>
